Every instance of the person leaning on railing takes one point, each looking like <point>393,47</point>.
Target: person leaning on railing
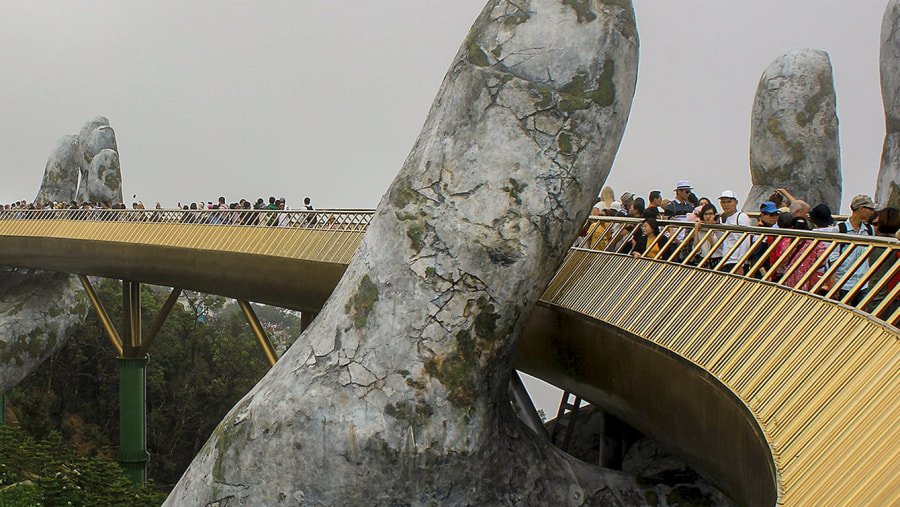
<point>708,214</point>
<point>862,211</point>
<point>678,210</point>
<point>650,232</point>
<point>731,216</point>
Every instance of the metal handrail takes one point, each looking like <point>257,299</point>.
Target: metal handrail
<point>858,271</point>
<point>324,219</point>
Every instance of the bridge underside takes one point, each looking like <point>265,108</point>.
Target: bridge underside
<point>685,408</point>
<point>237,265</point>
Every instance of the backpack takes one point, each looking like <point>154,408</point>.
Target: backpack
<point>843,228</point>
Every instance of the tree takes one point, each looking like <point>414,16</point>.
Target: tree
<point>198,368</point>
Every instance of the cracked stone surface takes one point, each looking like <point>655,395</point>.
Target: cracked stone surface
<point>84,167</point>
<point>37,309</point>
<point>794,141</point>
<point>888,187</point>
<point>397,393</point>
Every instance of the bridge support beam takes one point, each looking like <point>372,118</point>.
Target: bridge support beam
<point>132,362</point>
<point>259,332</point>
<point>306,319</point>
<point>105,321</point>
<point>524,406</point>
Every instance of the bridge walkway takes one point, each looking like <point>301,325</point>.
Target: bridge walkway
<point>779,394</point>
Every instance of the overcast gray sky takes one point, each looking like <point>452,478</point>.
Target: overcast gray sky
<point>325,98</point>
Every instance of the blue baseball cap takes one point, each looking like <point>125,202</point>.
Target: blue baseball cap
<point>768,207</point>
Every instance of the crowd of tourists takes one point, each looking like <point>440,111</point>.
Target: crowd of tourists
<point>242,212</point>
<point>781,210</point>
<point>220,204</point>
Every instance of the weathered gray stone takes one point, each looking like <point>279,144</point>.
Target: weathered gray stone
<point>104,178</point>
<point>794,141</point>
<point>84,167</point>
<point>37,309</point>
<point>488,204</point>
<point>61,173</point>
<point>101,182</point>
<point>888,186</point>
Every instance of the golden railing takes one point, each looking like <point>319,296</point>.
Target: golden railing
<point>819,374</point>
<point>321,235</point>
<point>858,271</point>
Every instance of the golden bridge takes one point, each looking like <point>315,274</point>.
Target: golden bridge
<point>777,380</point>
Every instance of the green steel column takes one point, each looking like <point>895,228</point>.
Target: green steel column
<point>133,455</point>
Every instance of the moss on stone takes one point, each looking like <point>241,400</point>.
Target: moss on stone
<point>798,153</point>
<point>465,345</point>
<point>458,370</point>
<point>516,18</point>
<point>477,56</point>
<point>416,234</point>
<point>546,99</point>
<point>457,375</point>
<point>773,127</point>
<point>629,27</point>
<point>31,345</point>
<point>814,104</point>
<point>579,93</point>
<point>415,413</point>
<point>404,195</point>
<point>224,435</point>
<point>360,305</point>
<point>564,143</point>
<point>582,10</point>
<point>486,320</point>
<point>111,180</point>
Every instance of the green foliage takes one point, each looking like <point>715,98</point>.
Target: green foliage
<point>46,473</point>
<point>203,361</point>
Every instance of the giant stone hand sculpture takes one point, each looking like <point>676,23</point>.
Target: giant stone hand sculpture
<point>794,141</point>
<point>37,309</point>
<point>93,156</point>
<point>888,188</point>
<point>397,392</point>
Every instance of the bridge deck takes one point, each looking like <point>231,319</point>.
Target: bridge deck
<point>777,394</point>
<point>819,378</point>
